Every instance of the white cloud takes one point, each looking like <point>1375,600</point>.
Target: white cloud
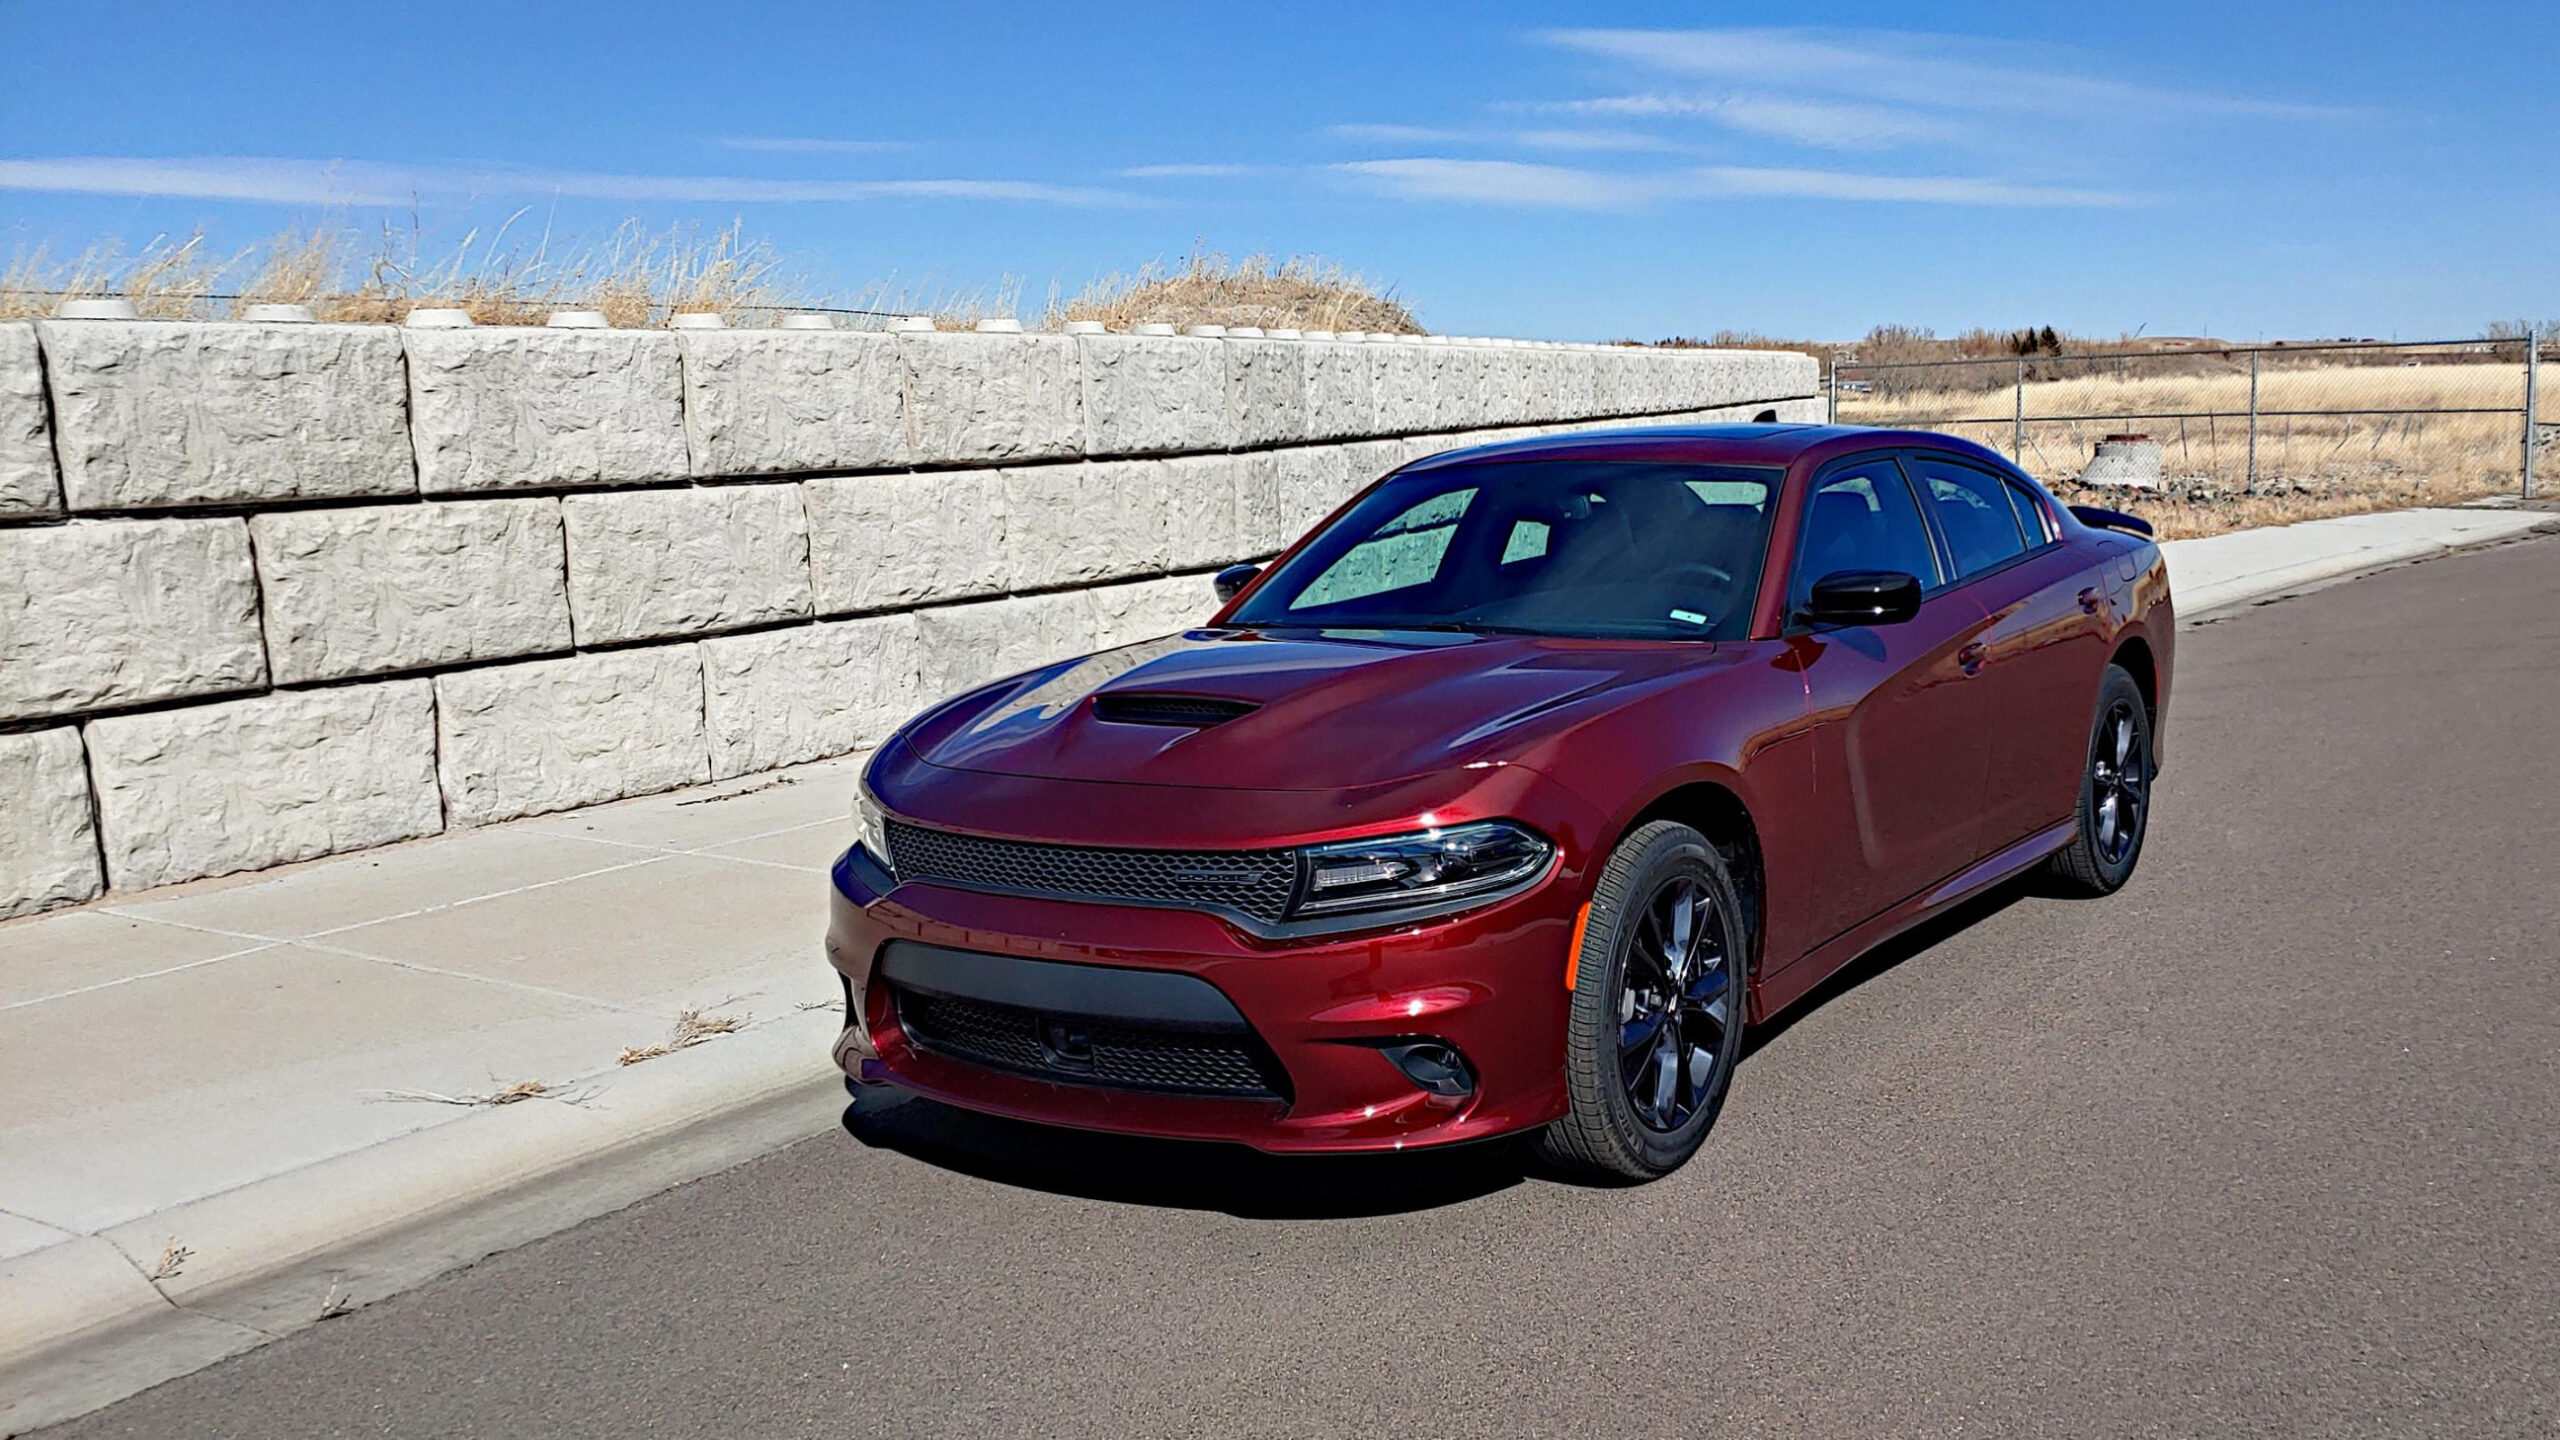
<point>1922,189</point>
<point>1560,187</point>
<point>795,145</point>
<point>1623,141</point>
<point>1831,125</point>
<point>1595,139</point>
<point>1504,182</point>
<point>1182,172</point>
<point>316,182</point>
<point>1402,134</point>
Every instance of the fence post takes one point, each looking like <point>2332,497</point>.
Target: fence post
<point>2018,426</point>
<point>1831,390</point>
<point>2532,373</point>
<point>2253,419</point>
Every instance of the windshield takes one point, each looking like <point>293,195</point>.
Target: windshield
<point>1611,548</point>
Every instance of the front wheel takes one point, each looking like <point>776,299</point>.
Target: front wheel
<point>2114,811</point>
<point>1656,1022</point>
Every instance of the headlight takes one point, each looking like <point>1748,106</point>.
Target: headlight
<point>1431,869</point>
<point>871,829</point>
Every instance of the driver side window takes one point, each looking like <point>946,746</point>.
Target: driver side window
<point>1862,517</point>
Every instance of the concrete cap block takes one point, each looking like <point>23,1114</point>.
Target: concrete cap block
<point>908,324</point>
<point>438,317</point>
<point>1351,337</point>
<point>1244,332</point>
<point>97,309</point>
<point>280,314</point>
<point>578,320</point>
<point>1319,335</point>
<point>805,322</point>
<point>1151,327</point>
<point>697,320</point>
<point>1086,327</point>
<point>1206,332</point>
<point>1286,333</point>
<point>999,325</point>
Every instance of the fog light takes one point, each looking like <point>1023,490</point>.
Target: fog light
<point>1434,1065</point>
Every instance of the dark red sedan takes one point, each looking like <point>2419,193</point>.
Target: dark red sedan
<point>1507,799</point>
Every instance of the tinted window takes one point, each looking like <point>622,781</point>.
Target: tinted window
<point>1549,547</point>
<point>2031,514</point>
<point>1972,510</point>
<point>1861,518</point>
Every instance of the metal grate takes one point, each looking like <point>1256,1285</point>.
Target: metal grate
<point>1198,711</point>
<point>1253,883</point>
<point>1123,1057</point>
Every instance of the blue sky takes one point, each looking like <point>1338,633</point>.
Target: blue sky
<point>2248,169</point>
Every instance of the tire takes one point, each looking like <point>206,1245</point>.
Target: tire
<point>2114,810</point>
<point>1640,1113</point>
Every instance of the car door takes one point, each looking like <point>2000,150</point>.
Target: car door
<point>1900,746</point>
<point>2045,646</point>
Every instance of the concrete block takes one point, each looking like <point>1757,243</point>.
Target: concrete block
<point>1266,390</point>
<point>513,408</point>
<point>760,402</point>
<point>1474,386</point>
<point>650,563</point>
<point>28,484</point>
<point>377,588</point>
<point>48,853</point>
<point>1405,381</point>
<point>118,612</point>
<point>1301,485</point>
<point>155,413</point>
<point>990,397</point>
<point>1079,524</point>
<point>1150,394</point>
<point>1341,396</point>
<point>551,734</point>
<point>1148,609</point>
<point>209,789</point>
<point>1200,500</point>
<point>961,647</point>
<point>877,541</point>
<point>784,696</point>
<point>1563,386</point>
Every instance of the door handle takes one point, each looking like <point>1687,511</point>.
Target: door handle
<point>2091,601</point>
<point>1970,658</point>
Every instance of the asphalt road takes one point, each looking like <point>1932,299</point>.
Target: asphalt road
<point>2264,1145</point>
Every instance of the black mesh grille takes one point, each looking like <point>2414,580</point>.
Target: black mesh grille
<point>1147,709</point>
<point>1255,883</point>
<point>1120,1056</point>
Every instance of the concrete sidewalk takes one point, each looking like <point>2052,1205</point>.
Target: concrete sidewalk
<point>242,1105</point>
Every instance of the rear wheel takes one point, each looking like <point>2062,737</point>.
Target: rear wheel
<point>1657,1012</point>
<point>2115,793</point>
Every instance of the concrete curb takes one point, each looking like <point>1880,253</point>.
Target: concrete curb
<point>82,1326</point>
<point>2198,602</point>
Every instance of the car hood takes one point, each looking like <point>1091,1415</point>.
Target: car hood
<point>1315,710</point>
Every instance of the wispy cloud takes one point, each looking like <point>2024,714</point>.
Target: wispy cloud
<point>1828,124</point>
<point>1595,139</point>
<point>317,182</point>
<point>799,145</point>
<point>1562,187</point>
<point>1186,172</point>
<point>1400,134</point>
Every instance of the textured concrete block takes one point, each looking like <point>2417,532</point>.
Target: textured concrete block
<point>48,853</point>
<point>961,647</point>
<point>155,413</point>
<point>28,485</point>
<point>1405,379</point>
<point>116,612</point>
<point>1562,386</point>
<point>1473,386</point>
<point>513,408</point>
<point>1296,487</point>
<point>760,402</point>
<point>1199,499</point>
<point>784,696</point>
<point>1149,394</point>
<point>1341,397</point>
<point>209,789</point>
<point>990,397</point>
<point>1266,390</point>
<point>1079,524</point>
<point>1127,614</point>
<point>551,734</point>
<point>648,563</point>
<point>877,541</point>
<point>377,588</point>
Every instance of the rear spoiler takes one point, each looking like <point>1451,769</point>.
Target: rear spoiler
<point>2106,519</point>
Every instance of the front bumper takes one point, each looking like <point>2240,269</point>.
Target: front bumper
<point>1489,982</point>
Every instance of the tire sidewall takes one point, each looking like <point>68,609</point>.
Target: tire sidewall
<point>2115,686</point>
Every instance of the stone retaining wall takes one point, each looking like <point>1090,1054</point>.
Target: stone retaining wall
<point>269,592</point>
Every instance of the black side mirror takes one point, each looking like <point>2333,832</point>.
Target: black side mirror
<point>1233,579</point>
<point>1863,597</point>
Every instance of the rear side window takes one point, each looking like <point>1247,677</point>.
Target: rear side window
<point>2033,518</point>
<point>1861,517</point>
<point>1974,513</point>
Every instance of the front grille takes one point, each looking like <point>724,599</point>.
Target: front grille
<point>1253,883</point>
<point>1125,1057</point>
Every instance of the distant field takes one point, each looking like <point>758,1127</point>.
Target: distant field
<point>2308,464</point>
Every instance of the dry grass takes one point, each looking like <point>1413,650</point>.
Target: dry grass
<point>173,1259</point>
<point>1300,293</point>
<point>692,1027</point>
<point>509,1094</point>
<point>2308,465</point>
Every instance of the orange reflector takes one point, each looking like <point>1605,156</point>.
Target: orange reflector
<point>1573,951</point>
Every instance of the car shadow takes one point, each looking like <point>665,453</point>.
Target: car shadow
<point>1200,1175</point>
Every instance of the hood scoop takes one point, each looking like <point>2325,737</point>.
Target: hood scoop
<point>1140,707</point>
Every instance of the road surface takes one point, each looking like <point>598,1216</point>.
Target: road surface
<point>2269,1144</point>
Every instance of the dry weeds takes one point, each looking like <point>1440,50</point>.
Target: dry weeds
<point>509,1094</point>
<point>1301,292</point>
<point>173,1258</point>
<point>692,1028</point>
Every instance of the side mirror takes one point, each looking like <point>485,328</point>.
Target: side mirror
<point>1233,579</point>
<point>1863,597</point>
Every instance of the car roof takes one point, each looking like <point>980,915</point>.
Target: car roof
<point>1779,445</point>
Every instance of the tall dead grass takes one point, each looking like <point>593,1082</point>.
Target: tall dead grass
<point>1300,292</point>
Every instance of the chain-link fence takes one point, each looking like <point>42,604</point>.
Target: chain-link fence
<point>2414,423</point>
